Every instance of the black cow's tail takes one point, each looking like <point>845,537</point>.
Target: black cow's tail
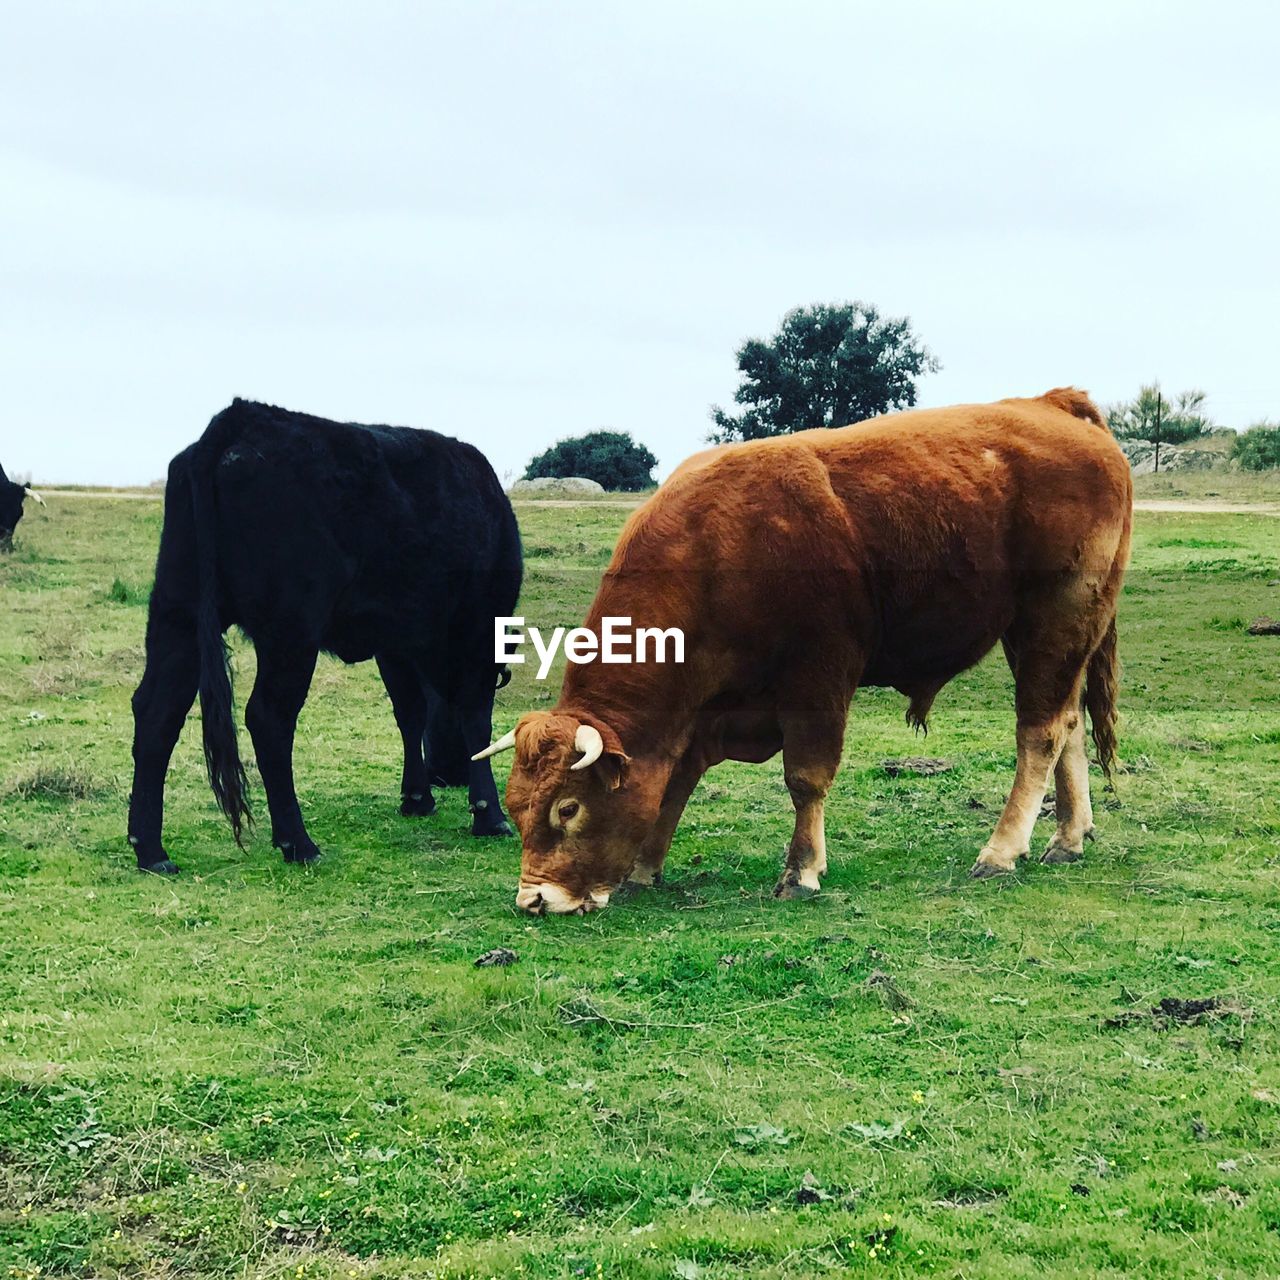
<point>1102,684</point>
<point>221,750</point>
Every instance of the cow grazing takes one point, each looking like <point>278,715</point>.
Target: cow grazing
<point>364,541</point>
<point>896,552</point>
<point>11,499</point>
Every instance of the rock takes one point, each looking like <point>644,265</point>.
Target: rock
<point>1173,457</point>
<point>545,486</point>
<point>926,766</point>
<point>1264,627</point>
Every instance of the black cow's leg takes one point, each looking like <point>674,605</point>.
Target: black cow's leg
<point>284,676</point>
<point>448,760</point>
<point>160,706</point>
<point>476,722</point>
<point>409,704</point>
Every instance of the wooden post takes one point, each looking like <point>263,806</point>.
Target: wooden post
<point>1159,416</point>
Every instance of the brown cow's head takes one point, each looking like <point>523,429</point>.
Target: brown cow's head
<point>581,820</point>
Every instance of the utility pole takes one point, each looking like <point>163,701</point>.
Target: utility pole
<point>1159,416</point>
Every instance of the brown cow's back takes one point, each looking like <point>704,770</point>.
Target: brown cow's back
<point>912,533</point>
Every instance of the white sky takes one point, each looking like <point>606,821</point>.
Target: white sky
<point>516,222</point>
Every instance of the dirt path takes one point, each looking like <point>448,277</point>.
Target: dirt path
<point>1190,507</point>
<point>1194,507</point>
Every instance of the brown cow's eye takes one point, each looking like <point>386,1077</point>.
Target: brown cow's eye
<point>568,810</point>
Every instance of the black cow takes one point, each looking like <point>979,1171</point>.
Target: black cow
<point>11,496</point>
<point>365,541</point>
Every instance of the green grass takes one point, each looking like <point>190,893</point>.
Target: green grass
<point>256,1070</point>
<point>1209,486</point>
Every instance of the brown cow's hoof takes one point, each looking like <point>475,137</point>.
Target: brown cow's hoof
<point>1060,853</point>
<point>990,864</point>
<point>984,871</point>
<point>641,878</point>
<point>789,888</point>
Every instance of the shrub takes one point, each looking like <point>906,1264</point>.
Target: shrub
<point>1258,448</point>
<point>610,458</point>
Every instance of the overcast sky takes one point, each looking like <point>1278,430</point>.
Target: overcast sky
<point>517,222</point>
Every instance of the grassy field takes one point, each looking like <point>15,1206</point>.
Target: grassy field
<point>259,1070</point>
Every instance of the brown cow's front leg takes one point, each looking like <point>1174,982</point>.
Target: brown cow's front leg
<point>653,853</point>
<point>1074,808</point>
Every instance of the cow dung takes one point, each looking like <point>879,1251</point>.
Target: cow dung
<point>1264,627</point>
<point>498,956</point>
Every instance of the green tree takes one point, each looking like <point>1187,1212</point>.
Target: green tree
<point>827,366</point>
<point>1258,448</point>
<point>610,458</point>
<point>1178,420</point>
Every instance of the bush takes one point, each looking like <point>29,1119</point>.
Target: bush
<point>610,458</point>
<point>1179,420</point>
<point>1258,449</point>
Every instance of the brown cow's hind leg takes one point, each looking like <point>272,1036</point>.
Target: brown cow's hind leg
<point>1074,808</point>
<point>810,755</point>
<point>1038,750</point>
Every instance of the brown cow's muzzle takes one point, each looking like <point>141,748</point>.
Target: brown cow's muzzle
<point>551,899</point>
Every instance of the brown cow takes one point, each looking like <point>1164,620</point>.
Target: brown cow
<point>895,552</point>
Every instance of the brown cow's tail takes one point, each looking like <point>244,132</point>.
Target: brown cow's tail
<point>1101,687</point>
<point>1077,404</point>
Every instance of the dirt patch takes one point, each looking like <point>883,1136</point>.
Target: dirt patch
<point>1175,1011</point>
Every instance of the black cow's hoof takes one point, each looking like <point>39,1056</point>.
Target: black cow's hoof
<point>164,867</point>
<point>483,825</point>
<point>303,854</point>
<point>417,806</point>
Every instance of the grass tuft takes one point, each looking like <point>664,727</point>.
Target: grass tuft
<point>65,780</point>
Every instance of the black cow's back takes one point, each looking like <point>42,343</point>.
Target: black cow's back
<point>355,539</point>
<point>11,498</point>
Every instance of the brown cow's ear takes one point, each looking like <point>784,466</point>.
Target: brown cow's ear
<point>612,769</point>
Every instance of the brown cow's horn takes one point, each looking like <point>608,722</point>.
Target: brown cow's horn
<point>31,493</point>
<point>590,743</point>
<point>504,743</point>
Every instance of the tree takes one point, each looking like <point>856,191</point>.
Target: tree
<point>1177,420</point>
<point>610,458</point>
<point>1258,448</point>
<point>827,366</point>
